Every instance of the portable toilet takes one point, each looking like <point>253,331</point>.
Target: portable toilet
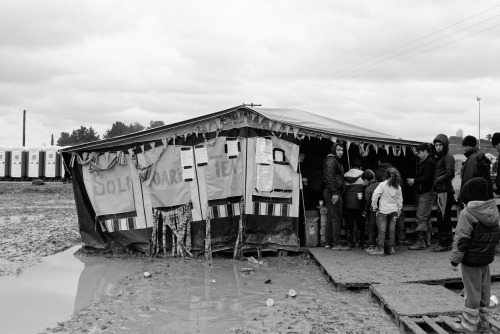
<point>16,163</point>
<point>4,163</point>
<point>52,162</point>
<point>34,162</point>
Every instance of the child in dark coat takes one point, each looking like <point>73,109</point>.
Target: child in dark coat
<point>371,184</point>
<point>476,236</point>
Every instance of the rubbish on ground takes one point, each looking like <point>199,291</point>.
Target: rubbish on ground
<point>493,301</point>
<point>292,293</point>
<point>270,302</point>
<point>247,269</point>
<point>268,281</point>
<point>147,274</point>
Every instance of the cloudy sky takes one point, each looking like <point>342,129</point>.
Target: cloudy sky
<point>407,68</point>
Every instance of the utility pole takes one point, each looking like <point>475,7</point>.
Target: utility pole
<point>24,128</point>
<point>478,99</point>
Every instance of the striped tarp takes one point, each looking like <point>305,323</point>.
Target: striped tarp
<point>225,210</point>
<point>119,224</point>
<point>271,209</point>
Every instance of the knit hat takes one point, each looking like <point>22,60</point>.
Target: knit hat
<point>469,141</point>
<point>368,175</point>
<point>356,163</point>
<point>495,140</point>
<point>475,189</point>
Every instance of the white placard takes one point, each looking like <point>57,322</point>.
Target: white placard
<point>264,177</point>
<point>278,155</point>
<point>232,148</point>
<point>200,153</point>
<point>264,151</point>
<point>188,174</point>
<point>186,157</point>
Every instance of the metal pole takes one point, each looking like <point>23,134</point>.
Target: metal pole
<point>24,127</point>
<point>479,101</point>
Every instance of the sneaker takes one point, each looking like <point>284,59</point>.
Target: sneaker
<point>377,251</point>
<point>391,251</point>
<point>337,248</point>
<point>328,246</point>
<point>440,248</point>
<point>370,249</point>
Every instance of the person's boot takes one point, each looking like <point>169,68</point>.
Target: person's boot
<point>469,321</point>
<point>402,241</point>
<point>428,236</point>
<point>483,325</point>
<point>420,245</point>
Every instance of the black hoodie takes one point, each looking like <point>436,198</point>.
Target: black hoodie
<point>445,167</point>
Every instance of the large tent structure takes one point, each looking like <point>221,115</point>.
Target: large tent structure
<point>222,181</point>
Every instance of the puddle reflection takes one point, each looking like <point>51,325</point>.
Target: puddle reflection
<point>56,288</point>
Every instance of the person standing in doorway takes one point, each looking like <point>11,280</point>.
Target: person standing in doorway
<point>425,196</point>
<point>354,204</point>
<point>445,172</point>
<point>333,176</point>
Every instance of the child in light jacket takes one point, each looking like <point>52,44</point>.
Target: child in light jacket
<point>387,202</point>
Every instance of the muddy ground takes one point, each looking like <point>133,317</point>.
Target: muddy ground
<point>182,295</point>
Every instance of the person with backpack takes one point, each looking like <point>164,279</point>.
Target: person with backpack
<point>476,165</point>
<point>476,236</point>
<point>333,176</point>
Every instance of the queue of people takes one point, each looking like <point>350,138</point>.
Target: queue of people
<point>373,200</point>
<point>477,232</point>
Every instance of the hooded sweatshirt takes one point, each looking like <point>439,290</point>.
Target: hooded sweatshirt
<point>391,199</point>
<point>477,232</point>
<point>354,185</point>
<point>333,175</point>
<point>445,167</point>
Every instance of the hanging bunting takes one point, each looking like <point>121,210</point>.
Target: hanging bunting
<point>196,132</point>
<point>287,129</point>
<point>84,155</point>
<point>217,122</point>
<point>414,150</point>
<point>271,124</point>
<point>164,141</point>
<point>348,144</point>
<point>403,148</point>
<point>295,132</point>
<point>367,150</point>
<point>260,119</point>
<point>396,150</point>
<point>72,161</point>
<point>333,139</point>
<point>106,155</point>
<point>387,146</point>
<point>277,126</point>
<point>237,114</point>
<point>376,148</point>
<point>153,145</point>
<point>142,148</point>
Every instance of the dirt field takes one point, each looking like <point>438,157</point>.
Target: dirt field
<point>183,295</point>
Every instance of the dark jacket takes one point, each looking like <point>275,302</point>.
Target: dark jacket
<point>497,179</point>
<point>333,175</point>
<point>370,188</point>
<point>381,169</point>
<point>445,167</point>
<point>354,185</point>
<point>477,165</point>
<point>476,234</point>
<point>425,175</point>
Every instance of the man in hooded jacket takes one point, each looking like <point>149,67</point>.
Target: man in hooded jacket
<point>444,174</point>
<point>476,236</point>
<point>477,164</point>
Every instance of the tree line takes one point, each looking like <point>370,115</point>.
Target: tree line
<point>87,135</point>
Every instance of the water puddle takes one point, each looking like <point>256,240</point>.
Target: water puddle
<point>56,288</point>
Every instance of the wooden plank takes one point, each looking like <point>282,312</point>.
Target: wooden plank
<point>495,323</point>
<point>412,325</point>
<point>449,321</point>
<point>433,325</point>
